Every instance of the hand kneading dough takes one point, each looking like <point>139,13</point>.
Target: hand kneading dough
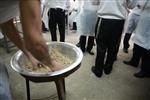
<point>55,54</point>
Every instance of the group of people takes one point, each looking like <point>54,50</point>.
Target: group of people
<point>110,17</point>
<point>109,27</point>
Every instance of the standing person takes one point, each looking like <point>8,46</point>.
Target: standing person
<point>142,41</point>
<point>134,18</point>
<point>73,13</point>
<point>132,22</point>
<point>86,25</point>
<point>44,29</point>
<point>56,15</point>
<point>110,23</point>
<point>32,43</point>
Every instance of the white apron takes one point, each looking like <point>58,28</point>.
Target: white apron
<point>87,19</point>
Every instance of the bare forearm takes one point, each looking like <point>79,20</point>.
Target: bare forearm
<point>31,23</point>
<point>10,30</point>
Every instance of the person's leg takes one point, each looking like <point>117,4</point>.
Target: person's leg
<point>131,26</point>
<point>99,61</point>
<point>101,41</point>
<point>82,42</point>
<point>90,44</point>
<point>74,26</point>
<point>5,93</point>
<point>137,53</point>
<point>145,64</point>
<point>78,44</point>
<point>61,24</point>
<point>113,43</point>
<point>52,24</point>
<point>126,42</point>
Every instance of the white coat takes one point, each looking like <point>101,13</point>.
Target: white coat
<point>87,19</point>
<point>142,36</point>
<point>74,7</point>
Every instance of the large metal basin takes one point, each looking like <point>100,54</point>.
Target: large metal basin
<point>74,53</point>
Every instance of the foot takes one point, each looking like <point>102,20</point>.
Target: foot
<point>141,75</point>
<point>90,52</point>
<point>125,50</point>
<point>98,73</point>
<point>108,69</point>
<point>130,63</point>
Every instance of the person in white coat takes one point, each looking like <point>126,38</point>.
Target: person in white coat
<point>142,41</point>
<point>111,18</point>
<point>86,25</point>
<point>132,22</point>
<point>73,13</point>
<point>56,16</point>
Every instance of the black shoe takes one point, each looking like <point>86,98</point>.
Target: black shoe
<point>45,30</point>
<point>97,73</point>
<point>90,52</point>
<point>141,75</point>
<point>130,63</point>
<point>125,50</point>
<point>107,69</point>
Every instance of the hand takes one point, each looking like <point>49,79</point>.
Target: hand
<point>35,63</point>
<point>55,66</point>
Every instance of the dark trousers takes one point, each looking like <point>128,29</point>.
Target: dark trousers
<point>57,17</point>
<point>74,26</point>
<point>108,34</point>
<point>137,53</point>
<point>142,54</point>
<point>126,40</point>
<point>90,42</point>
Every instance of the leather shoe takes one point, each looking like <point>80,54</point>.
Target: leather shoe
<point>98,73</point>
<point>141,75</point>
<point>107,69</point>
<point>130,63</point>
